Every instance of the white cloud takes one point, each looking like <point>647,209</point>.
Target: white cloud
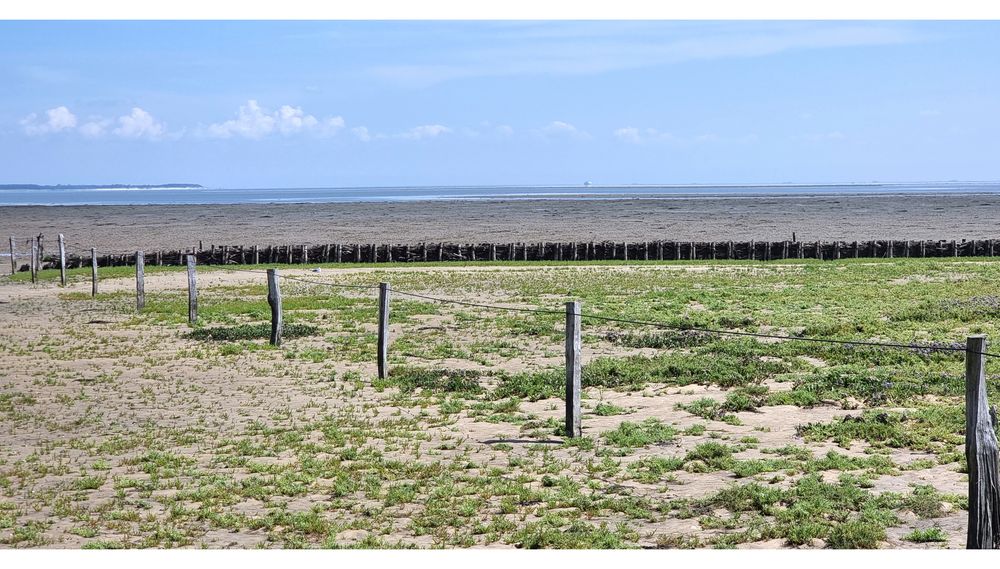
<point>362,133</point>
<point>57,120</point>
<point>291,120</point>
<point>561,129</point>
<point>250,122</point>
<point>139,124</point>
<point>640,136</point>
<point>334,124</point>
<point>505,130</point>
<point>628,134</point>
<point>424,131</point>
<point>255,122</point>
<point>95,128</point>
<point>634,135</point>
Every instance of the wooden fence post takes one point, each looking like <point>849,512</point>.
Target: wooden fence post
<point>62,260</point>
<point>93,271</point>
<point>574,369</point>
<point>383,330</point>
<point>13,261</point>
<point>192,290</point>
<point>274,299</point>
<point>34,260</point>
<point>140,281</point>
<point>980,452</point>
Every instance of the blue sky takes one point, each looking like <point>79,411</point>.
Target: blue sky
<point>257,104</point>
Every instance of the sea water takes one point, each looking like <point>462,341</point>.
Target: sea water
<point>162,196</point>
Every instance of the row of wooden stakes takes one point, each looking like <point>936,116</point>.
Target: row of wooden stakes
<point>573,251</point>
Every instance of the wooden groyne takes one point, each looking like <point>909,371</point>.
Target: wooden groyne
<point>576,251</point>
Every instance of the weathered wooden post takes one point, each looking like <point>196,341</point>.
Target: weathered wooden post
<point>140,281</point>
<point>93,271</point>
<point>383,330</point>
<point>980,452</point>
<point>62,260</point>
<point>274,299</point>
<point>574,369</point>
<point>13,260</point>
<point>34,260</point>
<point>192,289</point>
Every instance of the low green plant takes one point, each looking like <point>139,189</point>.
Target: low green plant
<point>251,332</point>
<point>928,535</point>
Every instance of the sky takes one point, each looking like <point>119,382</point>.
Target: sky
<point>317,104</point>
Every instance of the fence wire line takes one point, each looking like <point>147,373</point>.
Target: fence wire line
<point>662,325</point>
<point>299,279</point>
<point>678,328</point>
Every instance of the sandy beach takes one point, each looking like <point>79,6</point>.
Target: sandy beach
<point>850,217</point>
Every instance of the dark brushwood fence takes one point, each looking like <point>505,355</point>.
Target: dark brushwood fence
<point>578,251</point>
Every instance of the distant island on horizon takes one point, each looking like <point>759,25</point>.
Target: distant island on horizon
<point>98,186</point>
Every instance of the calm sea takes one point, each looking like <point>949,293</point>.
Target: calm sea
<point>140,196</point>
